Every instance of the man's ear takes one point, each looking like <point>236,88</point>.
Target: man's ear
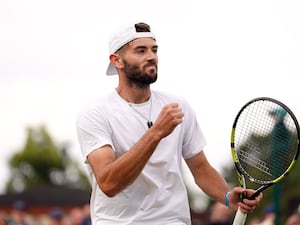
<point>116,60</point>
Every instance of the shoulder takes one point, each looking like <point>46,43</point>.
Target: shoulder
<point>168,97</point>
<point>98,107</point>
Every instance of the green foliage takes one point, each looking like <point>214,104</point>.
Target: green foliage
<point>42,161</point>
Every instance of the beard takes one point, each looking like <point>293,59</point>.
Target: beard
<point>139,77</point>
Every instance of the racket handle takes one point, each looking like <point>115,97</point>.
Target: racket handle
<point>240,218</point>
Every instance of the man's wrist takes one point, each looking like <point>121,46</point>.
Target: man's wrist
<point>227,199</point>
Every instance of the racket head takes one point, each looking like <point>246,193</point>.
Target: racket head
<point>265,140</point>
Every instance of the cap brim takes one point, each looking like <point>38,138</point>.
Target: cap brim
<point>111,70</point>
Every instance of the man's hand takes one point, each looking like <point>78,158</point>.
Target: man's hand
<point>170,116</point>
<point>246,205</point>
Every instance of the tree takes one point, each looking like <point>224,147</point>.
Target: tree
<point>43,162</point>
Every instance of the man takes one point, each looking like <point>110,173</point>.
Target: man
<point>220,214</point>
<point>18,215</point>
<point>293,219</point>
<point>133,141</point>
<point>57,217</point>
<point>269,216</point>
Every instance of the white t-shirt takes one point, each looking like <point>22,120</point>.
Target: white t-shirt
<point>158,196</point>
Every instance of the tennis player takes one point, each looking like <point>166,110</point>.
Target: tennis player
<point>133,141</point>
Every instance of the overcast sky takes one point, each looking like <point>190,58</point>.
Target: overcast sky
<point>216,54</point>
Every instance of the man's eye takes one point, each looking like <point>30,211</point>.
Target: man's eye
<point>140,51</point>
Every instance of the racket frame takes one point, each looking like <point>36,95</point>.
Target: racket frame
<point>240,218</point>
<point>237,164</point>
<point>265,184</point>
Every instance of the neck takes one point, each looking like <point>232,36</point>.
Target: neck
<point>134,95</point>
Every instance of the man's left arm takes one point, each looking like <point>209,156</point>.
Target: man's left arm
<point>207,177</point>
<point>215,186</point>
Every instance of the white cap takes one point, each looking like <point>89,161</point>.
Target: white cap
<point>120,38</point>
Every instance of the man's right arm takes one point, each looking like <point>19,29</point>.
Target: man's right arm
<point>114,174</point>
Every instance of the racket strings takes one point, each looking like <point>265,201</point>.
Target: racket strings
<point>265,140</point>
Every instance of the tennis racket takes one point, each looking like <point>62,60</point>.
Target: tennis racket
<point>264,144</point>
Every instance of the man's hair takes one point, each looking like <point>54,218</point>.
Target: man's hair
<point>142,27</point>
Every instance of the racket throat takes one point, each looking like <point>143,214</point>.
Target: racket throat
<point>260,189</point>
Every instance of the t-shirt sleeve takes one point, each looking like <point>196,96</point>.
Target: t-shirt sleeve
<point>93,131</point>
<point>194,140</point>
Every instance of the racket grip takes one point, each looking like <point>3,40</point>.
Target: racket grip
<point>240,218</point>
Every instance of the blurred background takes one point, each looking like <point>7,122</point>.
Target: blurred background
<point>216,54</point>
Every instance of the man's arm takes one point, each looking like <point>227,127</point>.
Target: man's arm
<point>114,174</point>
<point>215,186</point>
<point>207,178</point>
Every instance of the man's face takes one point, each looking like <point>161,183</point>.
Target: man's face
<point>140,61</point>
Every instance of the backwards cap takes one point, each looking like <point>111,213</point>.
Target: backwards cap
<point>120,38</point>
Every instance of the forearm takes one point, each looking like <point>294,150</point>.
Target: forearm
<point>207,177</point>
<point>121,172</point>
<point>114,174</point>
<point>213,184</point>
